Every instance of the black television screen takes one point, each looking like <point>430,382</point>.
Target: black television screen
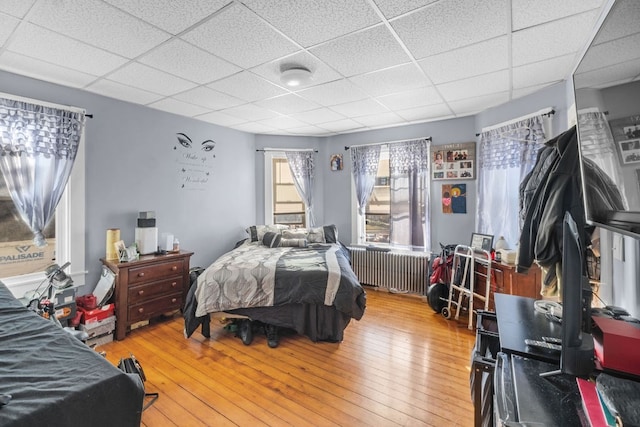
<point>607,95</point>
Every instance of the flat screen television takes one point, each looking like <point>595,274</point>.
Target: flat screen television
<point>607,96</point>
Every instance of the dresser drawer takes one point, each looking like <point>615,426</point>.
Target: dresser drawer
<point>151,290</point>
<point>155,307</point>
<point>153,272</point>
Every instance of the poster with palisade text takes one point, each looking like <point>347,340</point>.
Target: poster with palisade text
<point>453,161</point>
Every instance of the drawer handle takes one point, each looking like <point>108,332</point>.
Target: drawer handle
<point>173,300</point>
<point>174,268</point>
<point>174,284</point>
<point>140,292</point>
<point>141,310</point>
<point>141,274</point>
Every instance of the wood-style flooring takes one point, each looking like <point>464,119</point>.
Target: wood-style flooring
<point>402,364</point>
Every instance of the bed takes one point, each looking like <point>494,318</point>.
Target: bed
<point>295,279</point>
<point>56,380</point>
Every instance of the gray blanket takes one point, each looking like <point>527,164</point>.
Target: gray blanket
<point>254,275</point>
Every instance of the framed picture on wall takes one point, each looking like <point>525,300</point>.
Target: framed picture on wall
<point>453,161</point>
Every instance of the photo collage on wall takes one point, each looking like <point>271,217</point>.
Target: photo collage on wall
<point>453,161</point>
<point>626,133</point>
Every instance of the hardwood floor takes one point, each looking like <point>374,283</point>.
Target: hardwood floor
<point>402,364</point>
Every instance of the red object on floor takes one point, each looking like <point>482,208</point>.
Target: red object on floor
<point>97,314</point>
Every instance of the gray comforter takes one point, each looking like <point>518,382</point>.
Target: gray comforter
<point>253,275</point>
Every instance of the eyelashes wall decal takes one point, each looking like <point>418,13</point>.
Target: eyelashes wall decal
<point>186,142</point>
<point>194,161</point>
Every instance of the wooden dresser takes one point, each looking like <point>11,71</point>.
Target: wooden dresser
<point>505,280</point>
<point>148,287</point>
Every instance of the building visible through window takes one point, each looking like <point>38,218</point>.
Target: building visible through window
<point>288,207</point>
<point>378,211</point>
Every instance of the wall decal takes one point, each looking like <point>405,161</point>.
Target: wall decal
<point>194,162</point>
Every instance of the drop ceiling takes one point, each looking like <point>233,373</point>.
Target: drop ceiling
<point>375,63</point>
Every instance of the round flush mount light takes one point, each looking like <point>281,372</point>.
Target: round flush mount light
<point>296,76</point>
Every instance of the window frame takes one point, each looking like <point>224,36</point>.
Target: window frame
<point>70,232</point>
<point>269,156</point>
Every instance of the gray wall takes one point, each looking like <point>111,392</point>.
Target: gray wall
<point>131,166</point>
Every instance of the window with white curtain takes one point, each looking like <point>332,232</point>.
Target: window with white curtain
<point>283,204</point>
<point>507,153</point>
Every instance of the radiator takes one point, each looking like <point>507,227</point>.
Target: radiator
<point>396,271</point>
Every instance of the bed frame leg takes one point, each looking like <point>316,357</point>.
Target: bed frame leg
<point>206,324</point>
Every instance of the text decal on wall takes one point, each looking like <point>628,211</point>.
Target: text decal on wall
<point>194,162</point>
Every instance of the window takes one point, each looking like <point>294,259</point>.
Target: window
<point>378,212</point>
<point>283,204</point>
<point>66,243</point>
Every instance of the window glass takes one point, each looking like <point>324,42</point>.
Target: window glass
<point>288,207</point>
<point>378,211</point>
<point>18,254</point>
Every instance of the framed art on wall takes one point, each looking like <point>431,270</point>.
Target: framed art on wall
<point>453,161</point>
<point>626,134</point>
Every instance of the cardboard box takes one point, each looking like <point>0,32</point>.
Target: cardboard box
<point>100,327</point>
<point>617,344</point>
<point>97,314</point>
<point>100,340</point>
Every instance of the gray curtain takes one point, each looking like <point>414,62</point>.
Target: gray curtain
<point>38,146</point>
<point>301,164</point>
<point>409,169</point>
<point>364,167</point>
<point>506,155</point>
<point>597,144</point>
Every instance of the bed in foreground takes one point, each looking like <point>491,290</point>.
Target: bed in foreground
<point>280,278</point>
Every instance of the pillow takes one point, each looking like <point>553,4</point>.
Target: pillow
<point>296,233</point>
<point>256,232</point>
<point>316,235</point>
<point>330,233</point>
<point>271,239</point>
<point>294,243</point>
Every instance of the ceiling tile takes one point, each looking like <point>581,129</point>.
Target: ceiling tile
<point>247,86</point>
<point>425,112</point>
<point>287,104</point>
<point>475,86</point>
<point>543,41</point>
<point>307,130</point>
<point>226,35</point>
<point>360,108</point>
<point>178,107</point>
<point>334,93</point>
<point>391,80</point>
<point>382,119</point>
<point>342,125</point>
<point>322,73</point>
<point>552,70</point>
<point>37,42</point>
<point>17,8</point>
<point>477,104</point>
<point>393,8</point>
<point>30,67</point>
<point>362,52</point>
<point>603,77</point>
<point>254,127</point>
<point>310,22</point>
<point>411,98</point>
<point>220,118</point>
<point>105,26</point>
<point>283,122</point>
<point>451,24</point>
<point>527,13</point>
<point>611,53</point>
<point>624,21</point>
<point>126,93</point>
<point>319,116</point>
<point>147,78</point>
<point>7,25</point>
<point>189,62</point>
<point>519,93</point>
<point>170,15</point>
<point>486,56</point>
<point>209,98</point>
<point>250,112</point>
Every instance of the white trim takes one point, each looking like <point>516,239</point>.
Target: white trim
<point>428,138</point>
<point>518,119</point>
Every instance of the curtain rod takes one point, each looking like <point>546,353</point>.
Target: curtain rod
<point>315,150</point>
<point>544,112</point>
<point>346,147</point>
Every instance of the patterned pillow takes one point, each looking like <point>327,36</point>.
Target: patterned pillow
<point>294,243</point>
<point>256,232</point>
<point>316,235</point>
<point>271,239</point>
<point>296,233</point>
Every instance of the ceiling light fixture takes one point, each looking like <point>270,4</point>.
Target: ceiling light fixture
<point>296,76</point>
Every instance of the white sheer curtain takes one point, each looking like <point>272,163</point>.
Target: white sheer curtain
<point>409,170</point>
<point>301,164</point>
<point>506,155</point>
<point>364,167</point>
<point>38,146</point>
<point>597,144</point>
